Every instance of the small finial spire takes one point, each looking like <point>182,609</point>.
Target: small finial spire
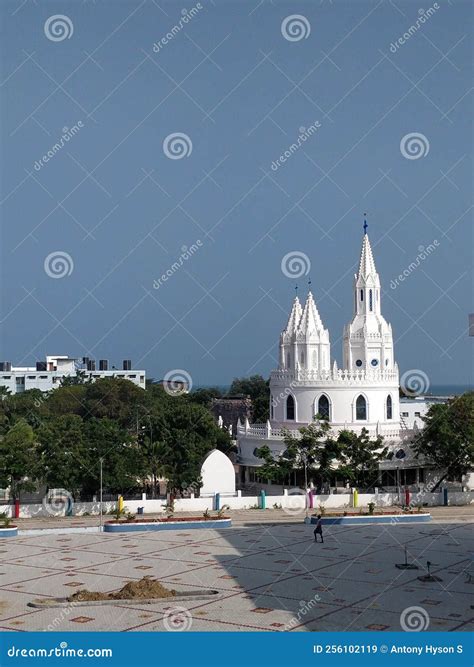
<point>365,223</point>
<point>296,290</point>
<point>309,283</point>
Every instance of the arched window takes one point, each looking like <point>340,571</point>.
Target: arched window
<point>361,294</point>
<point>272,412</point>
<point>389,407</point>
<point>323,407</point>
<point>288,360</point>
<point>361,408</point>
<point>370,300</point>
<point>290,408</point>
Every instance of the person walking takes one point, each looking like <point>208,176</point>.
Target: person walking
<point>319,529</point>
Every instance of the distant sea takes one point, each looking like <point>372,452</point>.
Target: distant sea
<point>449,389</point>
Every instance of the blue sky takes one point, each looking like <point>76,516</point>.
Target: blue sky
<point>121,211</point>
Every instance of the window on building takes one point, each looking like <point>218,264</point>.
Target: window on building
<point>361,294</point>
<point>271,407</point>
<point>361,408</point>
<point>370,300</point>
<point>359,362</point>
<point>323,407</point>
<point>405,414</point>
<point>389,407</point>
<point>421,475</point>
<point>288,360</point>
<point>417,414</point>
<point>290,408</point>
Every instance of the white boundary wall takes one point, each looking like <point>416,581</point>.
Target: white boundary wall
<point>291,500</point>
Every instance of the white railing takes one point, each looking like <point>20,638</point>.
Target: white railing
<point>335,376</point>
<point>264,432</point>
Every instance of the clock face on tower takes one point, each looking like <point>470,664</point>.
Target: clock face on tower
<point>374,362</point>
<point>359,362</point>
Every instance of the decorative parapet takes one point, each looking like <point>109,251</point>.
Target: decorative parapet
<point>335,376</point>
<point>264,432</point>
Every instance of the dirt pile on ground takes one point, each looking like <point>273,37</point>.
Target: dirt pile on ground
<point>145,589</point>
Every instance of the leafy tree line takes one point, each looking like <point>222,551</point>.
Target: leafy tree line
<point>58,439</point>
<point>319,457</point>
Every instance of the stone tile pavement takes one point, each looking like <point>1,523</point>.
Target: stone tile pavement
<point>270,577</point>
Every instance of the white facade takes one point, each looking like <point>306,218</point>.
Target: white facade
<point>363,394</point>
<point>22,378</point>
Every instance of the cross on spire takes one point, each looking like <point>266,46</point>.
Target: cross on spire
<point>365,223</point>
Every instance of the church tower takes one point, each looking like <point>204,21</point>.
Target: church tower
<point>304,343</point>
<point>368,342</point>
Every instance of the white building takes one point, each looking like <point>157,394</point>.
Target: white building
<point>47,375</point>
<point>363,394</point>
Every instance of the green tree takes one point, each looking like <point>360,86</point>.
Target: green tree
<point>447,439</point>
<point>182,436</point>
<point>18,461</point>
<point>259,391</point>
<point>359,458</point>
<point>62,455</point>
<point>105,439</point>
<point>312,453</point>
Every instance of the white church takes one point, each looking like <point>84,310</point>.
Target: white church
<point>362,394</point>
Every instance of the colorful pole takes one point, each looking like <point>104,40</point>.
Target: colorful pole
<point>262,500</point>
<point>407,497</point>
<point>311,500</point>
<point>17,508</point>
<point>445,497</point>
<point>355,498</point>
<point>217,501</point>
<point>120,503</point>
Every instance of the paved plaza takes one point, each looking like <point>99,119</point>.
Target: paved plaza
<point>270,577</point>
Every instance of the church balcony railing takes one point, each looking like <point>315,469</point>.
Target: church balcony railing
<point>338,376</point>
<point>262,432</point>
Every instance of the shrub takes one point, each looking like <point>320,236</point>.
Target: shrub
<point>206,514</point>
<point>5,519</point>
<point>371,507</point>
<point>221,512</point>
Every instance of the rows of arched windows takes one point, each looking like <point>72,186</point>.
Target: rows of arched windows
<point>323,408</point>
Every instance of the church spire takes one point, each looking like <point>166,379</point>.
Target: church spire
<point>367,265</point>
<point>310,319</point>
<point>295,316</point>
